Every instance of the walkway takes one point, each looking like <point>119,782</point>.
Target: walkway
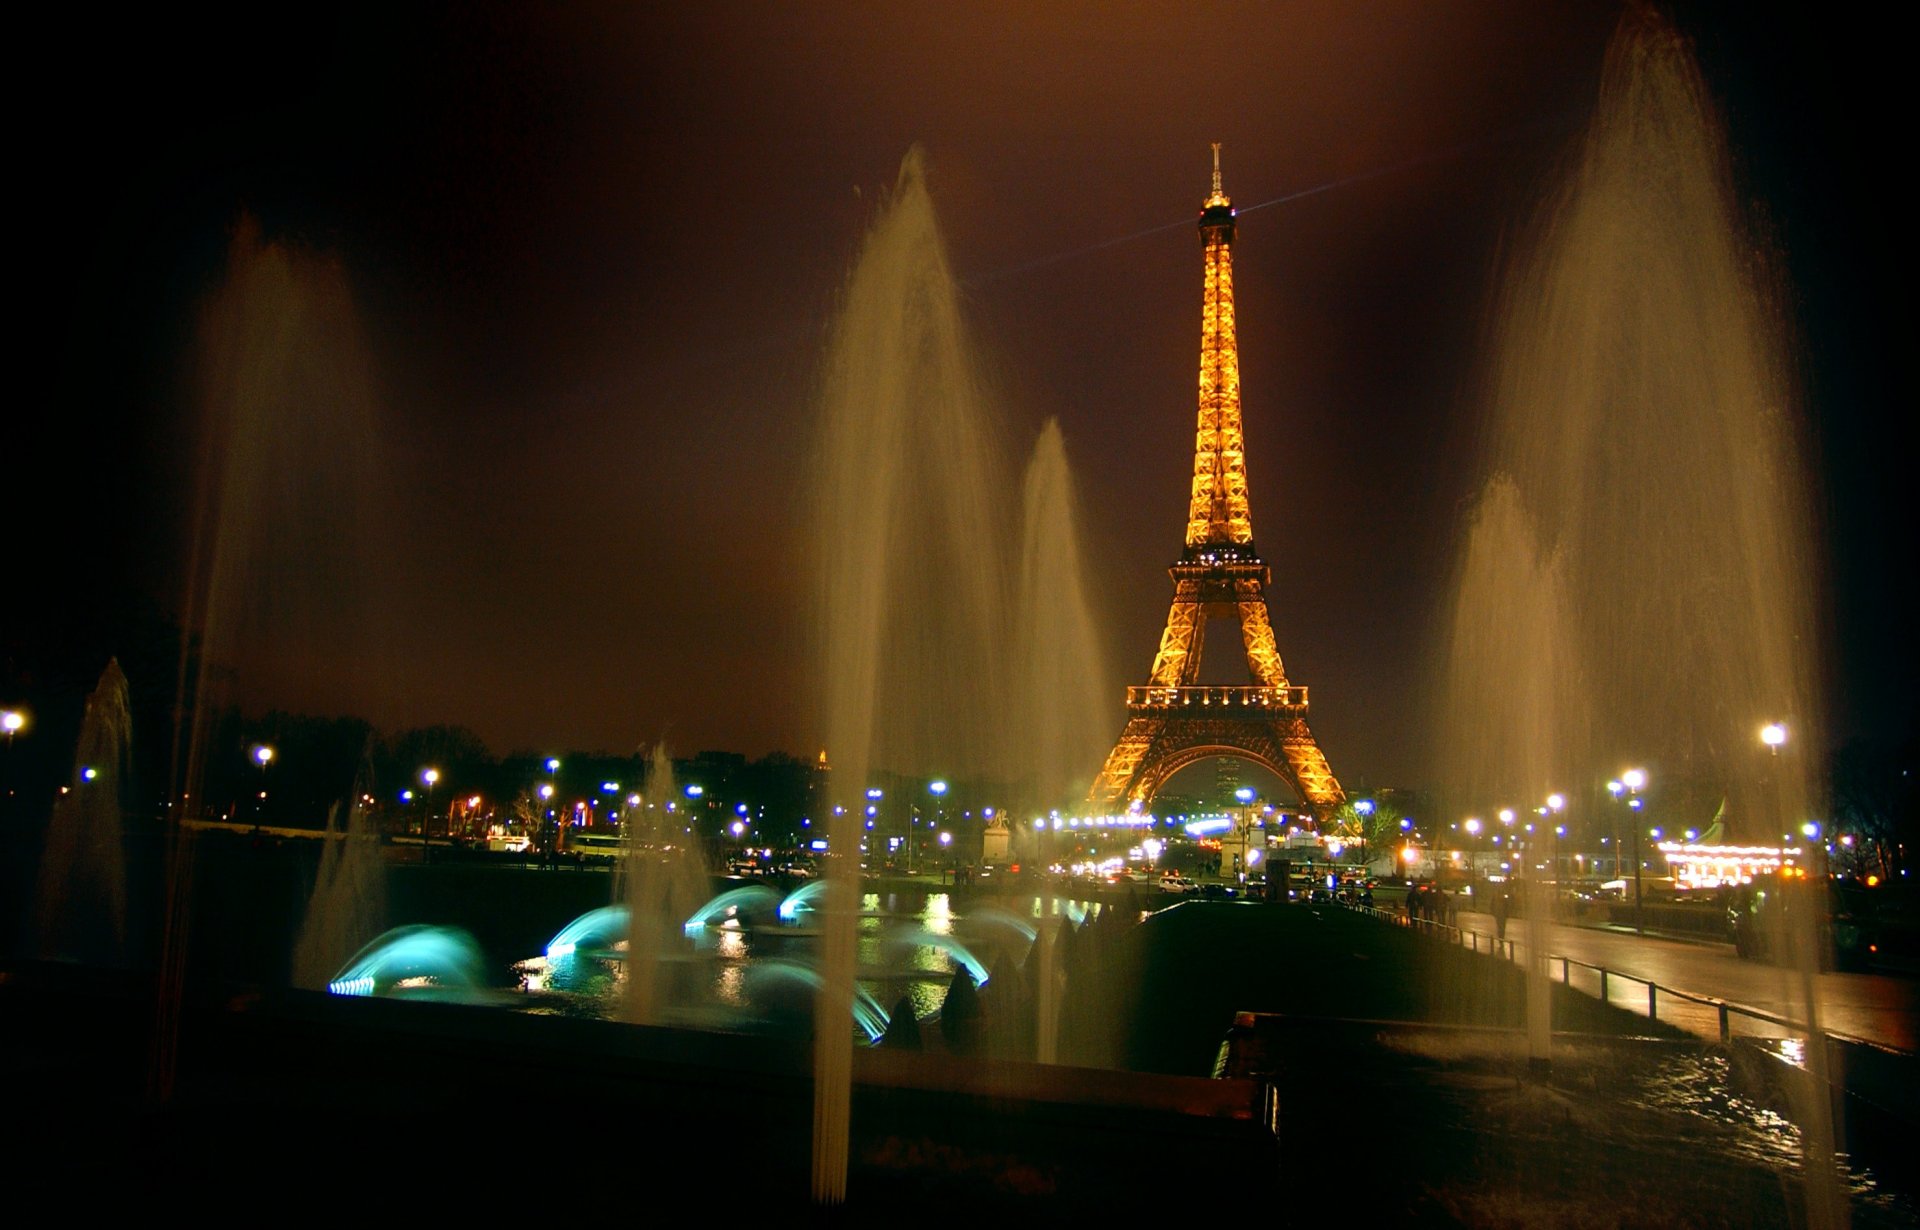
<point>1878,1008</point>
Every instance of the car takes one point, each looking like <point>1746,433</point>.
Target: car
<point>1179,885</point>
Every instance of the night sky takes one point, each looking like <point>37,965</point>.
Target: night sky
<point>594,251</point>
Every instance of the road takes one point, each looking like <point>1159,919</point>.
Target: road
<point>1878,1008</point>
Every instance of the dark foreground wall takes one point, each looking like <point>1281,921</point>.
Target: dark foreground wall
<point>291,1102</point>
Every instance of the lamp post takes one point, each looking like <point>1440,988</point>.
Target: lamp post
<point>12,722</point>
<point>1774,736</point>
<point>1473,848</point>
<point>1556,803</point>
<point>428,777</point>
<point>1632,781</point>
<point>938,789</point>
<point>262,755</point>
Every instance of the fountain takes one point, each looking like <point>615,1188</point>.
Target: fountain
<point>1066,698</point>
<point>661,882</point>
<point>920,937</point>
<point>954,641</point>
<point>285,543</point>
<point>1638,581</point>
<point>81,900</point>
<point>596,931</point>
<point>734,903</point>
<point>348,902</point>
<point>801,900</point>
<point>412,959</point>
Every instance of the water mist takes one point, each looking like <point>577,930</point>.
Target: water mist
<point>1638,582</point>
<point>954,642</point>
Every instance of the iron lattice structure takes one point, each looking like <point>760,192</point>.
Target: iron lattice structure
<point>1173,721</point>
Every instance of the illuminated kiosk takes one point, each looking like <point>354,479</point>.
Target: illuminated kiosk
<point>1697,866</point>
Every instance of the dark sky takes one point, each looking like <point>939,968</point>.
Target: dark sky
<point>593,251</point>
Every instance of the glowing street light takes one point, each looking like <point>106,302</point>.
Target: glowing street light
<point>430,776</point>
<point>12,722</point>
<point>262,755</point>
<point>1773,734</point>
<point>938,789</point>
<point>1633,781</point>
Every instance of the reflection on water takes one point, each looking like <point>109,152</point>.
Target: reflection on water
<point>1701,1086</point>
<point>1681,1128</point>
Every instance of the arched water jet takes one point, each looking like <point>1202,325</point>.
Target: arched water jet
<point>411,958</point>
<point>920,937</point>
<point>1005,920</point>
<point>596,931</point>
<point>733,903</point>
<point>802,900</point>
<point>865,1011</point>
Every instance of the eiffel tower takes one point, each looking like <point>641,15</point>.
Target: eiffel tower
<point>1173,721</point>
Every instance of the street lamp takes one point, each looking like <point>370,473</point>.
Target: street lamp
<point>1473,846</point>
<point>12,722</point>
<point>1556,803</point>
<point>1633,781</point>
<point>261,755</point>
<point>429,777</point>
<point>938,789</point>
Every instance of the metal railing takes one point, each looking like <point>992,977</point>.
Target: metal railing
<point>1724,1011</point>
<point>1291,697</point>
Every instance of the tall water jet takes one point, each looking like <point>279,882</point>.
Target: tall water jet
<point>955,642</point>
<point>284,544</point>
<point>286,539</point>
<point>1511,668</point>
<point>1063,697</point>
<point>349,901</point>
<point>1643,410</point>
<point>661,879</point>
<point>81,898</point>
<point>911,578</point>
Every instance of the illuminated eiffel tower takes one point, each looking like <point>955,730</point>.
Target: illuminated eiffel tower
<point>1173,721</point>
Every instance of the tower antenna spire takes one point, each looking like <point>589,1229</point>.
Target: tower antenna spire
<point>1216,168</point>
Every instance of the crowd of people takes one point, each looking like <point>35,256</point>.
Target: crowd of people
<point>1428,902</point>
